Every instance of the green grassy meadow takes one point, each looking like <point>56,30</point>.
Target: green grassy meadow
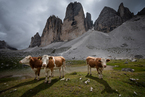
<point>115,83</point>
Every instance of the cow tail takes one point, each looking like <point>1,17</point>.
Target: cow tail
<point>64,64</point>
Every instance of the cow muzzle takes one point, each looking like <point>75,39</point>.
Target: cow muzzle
<point>20,62</point>
<point>104,66</point>
<point>43,65</point>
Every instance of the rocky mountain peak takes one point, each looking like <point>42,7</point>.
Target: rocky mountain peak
<point>124,13</point>
<point>107,20</point>
<point>88,21</point>
<point>72,10</point>
<point>35,41</point>
<point>4,45</point>
<point>52,30</point>
<point>73,24</point>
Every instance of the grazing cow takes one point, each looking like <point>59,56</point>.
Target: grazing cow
<point>98,63</point>
<point>52,62</point>
<point>34,62</point>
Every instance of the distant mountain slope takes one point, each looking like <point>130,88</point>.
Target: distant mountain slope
<point>125,41</point>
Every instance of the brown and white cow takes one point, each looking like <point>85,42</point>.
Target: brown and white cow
<point>34,62</point>
<point>98,63</point>
<point>53,62</point>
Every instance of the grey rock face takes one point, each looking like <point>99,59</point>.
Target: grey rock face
<point>35,41</point>
<point>107,20</point>
<point>52,31</point>
<point>73,24</point>
<point>124,13</point>
<point>88,21</point>
<point>4,45</point>
<point>142,12</point>
<point>72,10</point>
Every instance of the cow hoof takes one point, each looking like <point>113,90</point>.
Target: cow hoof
<point>59,77</point>
<point>90,74</point>
<point>49,82</point>
<point>34,78</point>
<point>38,79</point>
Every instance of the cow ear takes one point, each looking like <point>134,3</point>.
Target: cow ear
<point>99,60</point>
<point>107,60</point>
<point>50,58</point>
<point>39,58</point>
<point>31,58</point>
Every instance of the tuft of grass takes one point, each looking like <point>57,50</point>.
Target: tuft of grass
<point>76,62</point>
<point>138,66</point>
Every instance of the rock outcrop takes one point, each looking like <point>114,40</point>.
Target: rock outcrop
<point>4,45</point>
<point>142,12</point>
<point>109,19</point>
<point>73,23</point>
<point>88,21</point>
<point>124,13</point>
<point>35,41</point>
<point>52,31</point>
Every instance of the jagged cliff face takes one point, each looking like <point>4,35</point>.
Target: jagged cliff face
<point>52,31</point>
<point>142,12</point>
<point>73,24</point>
<point>35,41</point>
<point>109,19</point>
<point>4,45</point>
<point>124,13</point>
<point>88,21</point>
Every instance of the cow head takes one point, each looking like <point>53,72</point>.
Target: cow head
<point>26,60</point>
<point>45,60</point>
<point>103,61</point>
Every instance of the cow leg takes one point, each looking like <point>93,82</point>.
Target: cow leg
<point>50,76</point>
<point>46,74</point>
<point>99,73</point>
<point>60,72</point>
<point>88,69</point>
<point>35,75</point>
<point>38,73</point>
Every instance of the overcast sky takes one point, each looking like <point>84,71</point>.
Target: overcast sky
<point>21,19</point>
